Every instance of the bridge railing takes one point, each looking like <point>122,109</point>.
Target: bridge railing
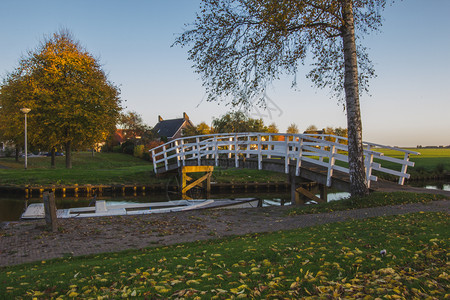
<point>328,151</point>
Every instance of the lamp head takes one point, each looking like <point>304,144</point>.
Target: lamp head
<point>25,110</point>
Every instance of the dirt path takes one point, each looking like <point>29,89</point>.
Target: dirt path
<point>22,242</point>
<point>389,187</point>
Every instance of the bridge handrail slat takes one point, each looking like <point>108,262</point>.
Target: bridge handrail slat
<point>392,148</point>
<point>396,160</point>
<point>392,172</point>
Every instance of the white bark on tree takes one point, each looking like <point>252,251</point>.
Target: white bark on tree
<point>358,182</point>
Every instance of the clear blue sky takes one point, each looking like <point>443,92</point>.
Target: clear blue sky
<point>410,98</point>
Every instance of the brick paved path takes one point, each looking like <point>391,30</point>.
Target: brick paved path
<point>22,242</point>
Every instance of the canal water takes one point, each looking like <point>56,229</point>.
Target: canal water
<point>12,207</point>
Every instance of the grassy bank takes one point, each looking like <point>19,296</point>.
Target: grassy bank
<point>376,199</point>
<point>102,168</point>
<point>391,257</point>
<point>107,169</point>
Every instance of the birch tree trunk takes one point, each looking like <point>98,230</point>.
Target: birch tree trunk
<point>358,182</point>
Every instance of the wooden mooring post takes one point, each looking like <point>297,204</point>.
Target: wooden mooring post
<point>323,192</point>
<point>50,211</point>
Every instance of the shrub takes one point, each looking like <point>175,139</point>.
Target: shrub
<point>9,152</point>
<point>147,156</point>
<point>128,147</point>
<point>440,168</point>
<point>420,170</point>
<point>117,149</point>
<point>148,147</point>
<point>138,151</point>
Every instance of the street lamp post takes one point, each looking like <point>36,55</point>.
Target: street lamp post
<point>25,112</point>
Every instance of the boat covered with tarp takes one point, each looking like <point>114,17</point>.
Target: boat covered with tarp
<point>103,208</point>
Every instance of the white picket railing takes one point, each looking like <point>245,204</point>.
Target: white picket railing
<point>320,149</point>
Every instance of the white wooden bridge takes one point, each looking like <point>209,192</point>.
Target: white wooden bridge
<point>318,157</point>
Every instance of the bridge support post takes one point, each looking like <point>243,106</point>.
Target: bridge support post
<point>296,192</point>
<point>294,196</point>
<point>207,183</point>
<point>323,192</point>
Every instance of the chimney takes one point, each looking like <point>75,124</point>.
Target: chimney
<point>160,119</point>
<point>185,116</point>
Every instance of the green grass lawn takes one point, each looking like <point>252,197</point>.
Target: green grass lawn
<point>80,160</point>
<point>341,260</point>
<point>431,162</point>
<point>102,168</point>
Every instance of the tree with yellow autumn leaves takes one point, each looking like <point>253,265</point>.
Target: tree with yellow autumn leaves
<point>72,102</point>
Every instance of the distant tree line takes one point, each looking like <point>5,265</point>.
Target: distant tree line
<point>238,121</point>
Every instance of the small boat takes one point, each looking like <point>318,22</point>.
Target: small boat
<point>102,209</point>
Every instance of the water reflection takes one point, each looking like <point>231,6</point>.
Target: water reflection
<point>337,196</point>
<point>11,208</point>
<point>436,185</point>
<point>444,187</point>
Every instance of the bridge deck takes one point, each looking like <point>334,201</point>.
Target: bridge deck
<point>308,170</point>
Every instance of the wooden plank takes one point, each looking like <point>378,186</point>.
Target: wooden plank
<point>34,211</point>
<point>194,169</point>
<point>308,194</point>
<point>197,182</point>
